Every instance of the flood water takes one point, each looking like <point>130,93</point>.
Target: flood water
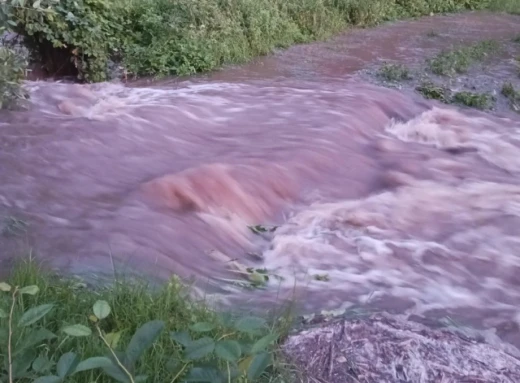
<point>399,202</point>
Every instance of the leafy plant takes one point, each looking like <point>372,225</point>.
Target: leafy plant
<point>13,67</point>
<point>234,355</point>
<point>46,336</point>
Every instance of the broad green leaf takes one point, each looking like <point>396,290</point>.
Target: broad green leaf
<point>3,314</point>
<point>203,375</point>
<point>113,338</point>
<point>250,324</point>
<point>101,309</point>
<point>6,287</point>
<point>141,378</point>
<point>48,379</point>
<point>67,364</point>
<point>93,363</point>
<point>35,314</point>
<point>263,343</point>
<point>30,290</point>
<point>199,348</point>
<point>41,364</point>
<point>202,327</point>
<point>228,350</point>
<point>142,339</point>
<point>77,330</point>
<point>258,365</point>
<point>181,337</point>
<point>34,338</point>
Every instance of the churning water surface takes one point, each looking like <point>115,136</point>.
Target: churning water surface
<point>405,204</point>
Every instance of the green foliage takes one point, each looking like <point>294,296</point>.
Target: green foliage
<point>470,99</point>
<point>54,330</point>
<point>394,73</point>
<point>179,37</point>
<point>457,61</point>
<point>473,100</point>
<point>13,67</point>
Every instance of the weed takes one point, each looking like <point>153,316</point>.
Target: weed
<point>513,95</point>
<point>53,330</point>
<point>473,100</point>
<point>433,92</point>
<point>456,61</point>
<point>394,72</point>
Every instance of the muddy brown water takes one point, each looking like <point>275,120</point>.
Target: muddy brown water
<point>403,204</point>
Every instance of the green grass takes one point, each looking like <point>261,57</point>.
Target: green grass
<point>432,91</point>
<point>394,72</point>
<point>132,303</point>
<point>473,100</point>
<point>458,61</point>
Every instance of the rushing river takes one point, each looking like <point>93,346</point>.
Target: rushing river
<point>397,202</point>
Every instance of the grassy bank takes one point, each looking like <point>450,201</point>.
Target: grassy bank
<point>179,37</point>
<point>57,330</point>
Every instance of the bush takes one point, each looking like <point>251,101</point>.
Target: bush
<point>177,37</point>
<point>55,330</point>
<point>13,67</point>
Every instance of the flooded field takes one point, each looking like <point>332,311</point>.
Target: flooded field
<point>297,170</point>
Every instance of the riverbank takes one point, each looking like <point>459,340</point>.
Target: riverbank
<point>99,40</point>
<point>59,328</point>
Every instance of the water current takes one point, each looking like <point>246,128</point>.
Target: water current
<point>400,203</point>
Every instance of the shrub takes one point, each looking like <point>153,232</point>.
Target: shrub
<point>13,67</point>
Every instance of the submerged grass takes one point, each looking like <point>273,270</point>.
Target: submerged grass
<point>458,61</point>
<point>432,91</point>
<point>473,100</point>
<point>394,72</point>
<point>134,303</point>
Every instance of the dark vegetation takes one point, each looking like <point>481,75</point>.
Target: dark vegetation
<point>179,37</point>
